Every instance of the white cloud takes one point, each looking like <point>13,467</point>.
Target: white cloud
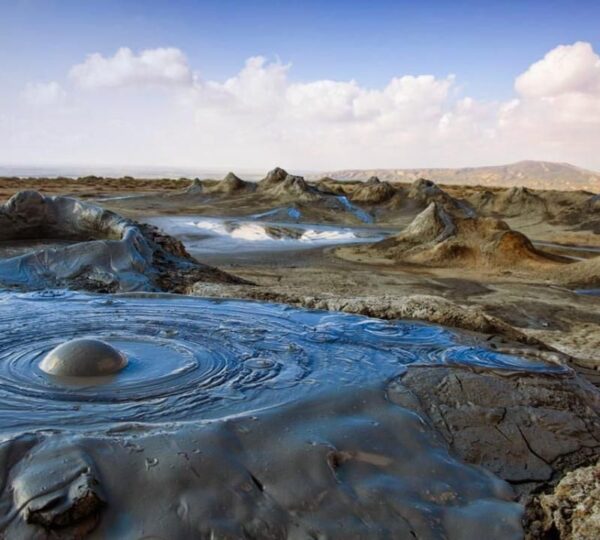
<point>565,69</point>
<point>44,94</point>
<point>557,112</point>
<point>162,66</point>
<point>260,116</point>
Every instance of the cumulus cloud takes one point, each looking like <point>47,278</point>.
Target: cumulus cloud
<point>565,69</point>
<point>260,116</point>
<point>162,66</point>
<point>557,111</point>
<point>263,88</point>
<point>44,94</point>
<point>324,121</point>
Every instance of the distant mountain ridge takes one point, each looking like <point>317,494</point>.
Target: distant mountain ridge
<point>532,174</point>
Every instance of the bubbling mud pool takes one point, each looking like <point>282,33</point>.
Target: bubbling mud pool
<point>199,359</point>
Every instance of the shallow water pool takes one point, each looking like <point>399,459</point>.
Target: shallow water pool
<point>207,235</point>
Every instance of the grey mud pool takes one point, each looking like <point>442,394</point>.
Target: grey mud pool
<point>235,419</point>
<point>197,359</point>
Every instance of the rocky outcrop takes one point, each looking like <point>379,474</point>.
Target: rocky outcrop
<point>571,511</point>
<point>438,237</point>
<point>107,252</point>
<point>527,430</point>
<point>513,202</point>
<point>230,185</point>
<point>373,191</point>
<point>278,184</point>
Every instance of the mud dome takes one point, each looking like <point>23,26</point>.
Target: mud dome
<point>235,420</point>
<point>83,358</point>
<point>107,252</point>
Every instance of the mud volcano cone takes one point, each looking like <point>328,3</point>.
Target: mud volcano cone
<point>83,358</point>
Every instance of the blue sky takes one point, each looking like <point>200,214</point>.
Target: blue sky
<point>486,45</point>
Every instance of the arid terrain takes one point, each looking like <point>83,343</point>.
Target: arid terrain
<point>514,269</point>
<point>532,174</point>
<point>518,254</point>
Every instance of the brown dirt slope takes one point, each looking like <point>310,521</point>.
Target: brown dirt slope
<point>437,237</point>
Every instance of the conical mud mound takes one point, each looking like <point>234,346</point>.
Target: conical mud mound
<point>439,238</point>
<point>420,194</point>
<point>373,191</point>
<point>231,185</point>
<point>195,188</point>
<point>278,184</point>
<point>513,202</point>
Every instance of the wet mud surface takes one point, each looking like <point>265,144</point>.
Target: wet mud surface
<point>243,419</point>
<point>237,239</point>
<point>340,466</point>
<point>237,419</point>
<point>195,359</point>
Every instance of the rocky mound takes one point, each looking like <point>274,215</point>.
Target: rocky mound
<point>278,184</point>
<point>108,253</point>
<point>195,188</point>
<point>439,238</point>
<point>572,510</point>
<point>421,193</point>
<point>513,202</point>
<point>373,191</point>
<point>580,274</point>
<point>230,185</point>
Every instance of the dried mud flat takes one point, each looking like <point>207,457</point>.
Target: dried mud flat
<point>463,428</point>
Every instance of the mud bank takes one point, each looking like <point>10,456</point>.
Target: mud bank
<point>238,419</point>
<point>97,249</point>
<point>344,466</point>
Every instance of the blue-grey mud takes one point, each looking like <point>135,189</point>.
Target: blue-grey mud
<point>209,236</point>
<point>237,419</point>
<point>197,359</point>
<point>231,419</point>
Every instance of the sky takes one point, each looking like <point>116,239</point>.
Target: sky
<point>305,85</point>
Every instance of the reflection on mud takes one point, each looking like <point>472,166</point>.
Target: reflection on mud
<point>218,235</point>
<point>192,359</point>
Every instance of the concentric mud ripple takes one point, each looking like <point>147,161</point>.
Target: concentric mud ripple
<point>192,359</point>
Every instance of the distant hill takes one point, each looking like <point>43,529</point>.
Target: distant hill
<point>533,174</point>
